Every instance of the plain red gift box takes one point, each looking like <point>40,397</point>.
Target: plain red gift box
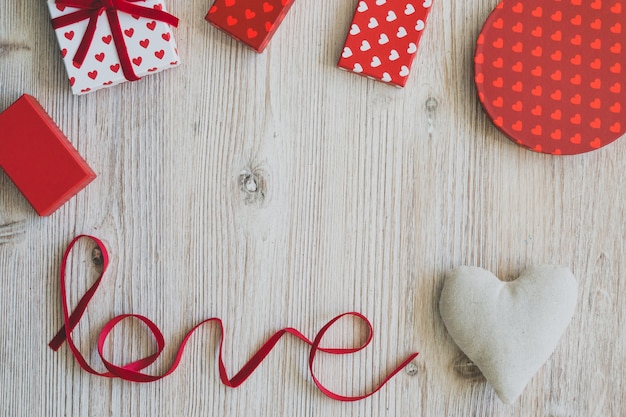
<point>38,157</point>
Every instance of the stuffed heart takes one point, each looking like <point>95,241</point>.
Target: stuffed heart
<point>508,329</point>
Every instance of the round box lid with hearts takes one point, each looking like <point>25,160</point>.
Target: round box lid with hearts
<point>549,73</point>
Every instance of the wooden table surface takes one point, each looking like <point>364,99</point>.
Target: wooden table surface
<point>275,190</point>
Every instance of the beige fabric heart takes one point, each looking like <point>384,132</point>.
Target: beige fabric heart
<point>509,330</point>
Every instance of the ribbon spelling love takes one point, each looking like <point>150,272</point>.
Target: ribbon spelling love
<point>133,371</point>
<point>92,10</point>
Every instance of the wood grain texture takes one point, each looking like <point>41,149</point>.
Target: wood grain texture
<point>365,196</point>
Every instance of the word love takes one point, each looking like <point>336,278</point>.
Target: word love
<point>383,39</point>
<point>133,371</point>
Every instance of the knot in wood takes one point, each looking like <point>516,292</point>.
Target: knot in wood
<point>431,104</point>
<point>411,369</point>
<point>96,257</point>
<point>252,184</point>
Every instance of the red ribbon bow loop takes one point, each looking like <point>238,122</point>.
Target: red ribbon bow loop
<point>92,9</point>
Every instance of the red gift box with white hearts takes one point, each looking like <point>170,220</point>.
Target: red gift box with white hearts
<point>120,40</point>
<point>383,39</point>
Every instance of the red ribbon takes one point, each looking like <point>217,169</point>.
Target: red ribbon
<point>92,9</point>
<point>132,371</point>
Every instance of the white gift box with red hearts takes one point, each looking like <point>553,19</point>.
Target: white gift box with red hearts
<point>150,43</point>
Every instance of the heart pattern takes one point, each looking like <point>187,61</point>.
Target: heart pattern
<point>252,22</point>
<point>549,73</point>
<point>508,329</point>
<point>391,30</point>
<point>151,47</point>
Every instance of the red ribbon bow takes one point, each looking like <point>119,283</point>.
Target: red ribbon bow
<point>92,9</point>
<point>133,371</point>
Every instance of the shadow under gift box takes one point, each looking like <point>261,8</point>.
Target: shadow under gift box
<point>38,157</point>
<point>149,43</point>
